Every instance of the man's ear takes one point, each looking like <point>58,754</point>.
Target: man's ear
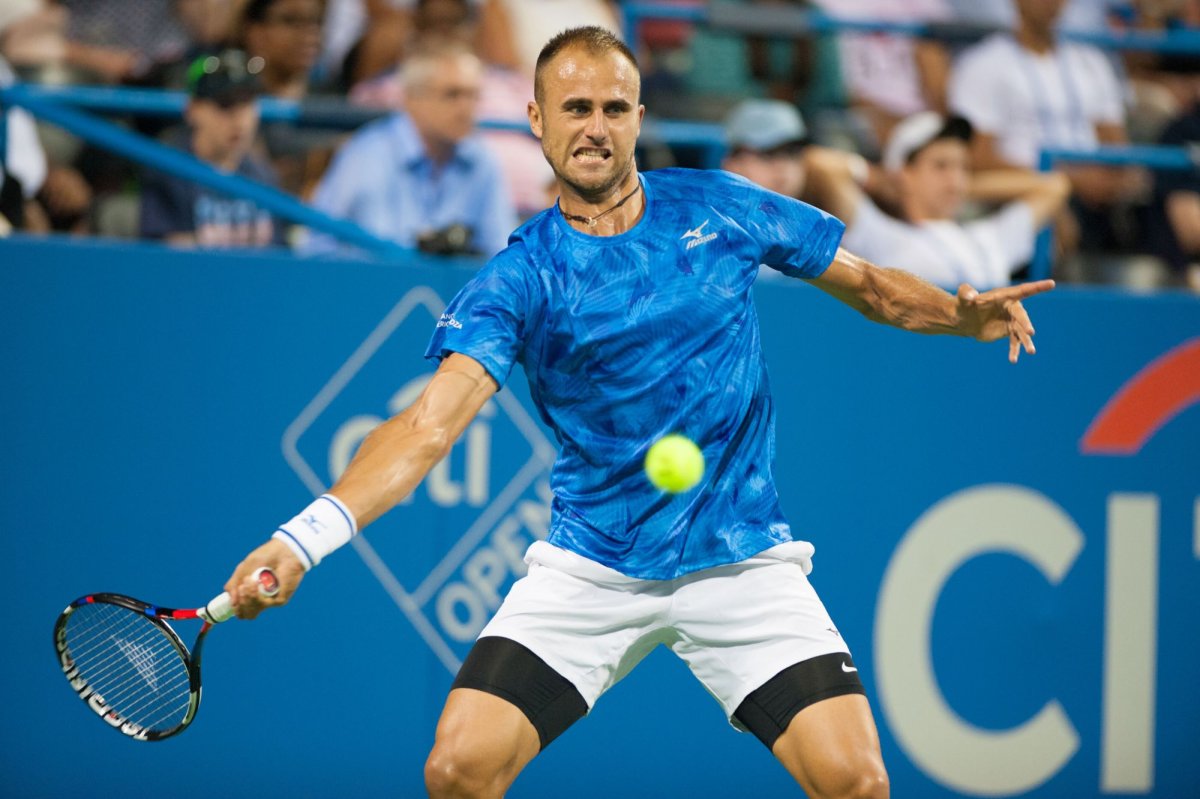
<point>535,118</point>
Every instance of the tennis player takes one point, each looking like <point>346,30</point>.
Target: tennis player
<point>629,306</point>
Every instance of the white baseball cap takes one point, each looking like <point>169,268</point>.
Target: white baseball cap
<point>918,132</point>
<point>764,125</point>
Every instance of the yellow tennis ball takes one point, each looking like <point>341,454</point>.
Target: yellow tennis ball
<point>674,464</point>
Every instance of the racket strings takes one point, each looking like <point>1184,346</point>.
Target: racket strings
<point>131,663</point>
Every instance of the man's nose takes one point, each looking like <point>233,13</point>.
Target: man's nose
<point>597,127</point>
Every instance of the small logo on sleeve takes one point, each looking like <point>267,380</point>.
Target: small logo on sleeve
<point>448,320</point>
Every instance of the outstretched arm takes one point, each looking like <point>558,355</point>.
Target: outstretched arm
<point>392,460</point>
<point>901,299</point>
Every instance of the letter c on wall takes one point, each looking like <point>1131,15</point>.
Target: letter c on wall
<point>957,754</point>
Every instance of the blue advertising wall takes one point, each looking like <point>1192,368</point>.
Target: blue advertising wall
<point>1012,552</point>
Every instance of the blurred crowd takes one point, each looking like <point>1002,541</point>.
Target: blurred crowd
<point>927,146</point>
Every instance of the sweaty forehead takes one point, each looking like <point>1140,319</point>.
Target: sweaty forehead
<point>579,72</point>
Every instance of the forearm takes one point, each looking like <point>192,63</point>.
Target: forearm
<point>389,465</point>
<point>398,454</point>
<point>890,296</point>
<point>1044,192</point>
<point>1097,185</point>
<point>1005,185</point>
<point>901,299</point>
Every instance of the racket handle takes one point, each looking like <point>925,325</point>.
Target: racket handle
<point>268,583</point>
<point>220,607</point>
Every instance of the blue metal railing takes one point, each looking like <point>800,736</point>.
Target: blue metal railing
<point>1150,156</point>
<point>708,138</point>
<point>145,150</point>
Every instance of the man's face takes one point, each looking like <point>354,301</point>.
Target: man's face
<point>289,36</point>
<point>780,170</point>
<point>443,107</point>
<point>1041,14</point>
<point>589,119</point>
<point>223,134</point>
<point>937,179</point>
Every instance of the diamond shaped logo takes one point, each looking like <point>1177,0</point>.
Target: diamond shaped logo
<point>450,551</point>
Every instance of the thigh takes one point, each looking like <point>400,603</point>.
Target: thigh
<point>482,743</point>
<point>832,749</point>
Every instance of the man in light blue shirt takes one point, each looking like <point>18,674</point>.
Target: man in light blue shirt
<point>413,176</point>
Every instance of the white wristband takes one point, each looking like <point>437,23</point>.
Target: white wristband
<point>317,530</point>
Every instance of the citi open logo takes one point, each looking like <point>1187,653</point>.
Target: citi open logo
<point>448,553</point>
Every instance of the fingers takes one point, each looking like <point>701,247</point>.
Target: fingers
<point>1020,332</point>
<point>1017,292</point>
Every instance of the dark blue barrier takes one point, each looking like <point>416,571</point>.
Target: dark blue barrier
<point>1011,551</point>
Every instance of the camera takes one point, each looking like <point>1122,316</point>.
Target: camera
<point>451,240</point>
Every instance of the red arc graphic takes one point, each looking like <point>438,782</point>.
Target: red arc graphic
<point>1164,388</point>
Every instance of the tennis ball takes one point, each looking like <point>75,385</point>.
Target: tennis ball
<point>674,464</point>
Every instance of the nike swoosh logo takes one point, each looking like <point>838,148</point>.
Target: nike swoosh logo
<point>848,669</point>
<point>695,233</point>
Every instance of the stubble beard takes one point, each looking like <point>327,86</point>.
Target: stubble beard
<point>593,194</point>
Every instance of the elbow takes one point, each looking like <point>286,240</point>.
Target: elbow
<point>432,442</point>
<point>425,441</point>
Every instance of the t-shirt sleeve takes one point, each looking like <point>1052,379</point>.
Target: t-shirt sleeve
<point>487,319</point>
<point>796,238</point>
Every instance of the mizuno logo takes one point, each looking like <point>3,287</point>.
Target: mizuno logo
<point>697,235</point>
<point>848,668</point>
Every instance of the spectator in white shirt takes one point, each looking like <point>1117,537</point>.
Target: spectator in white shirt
<point>1027,91</point>
<point>928,160</point>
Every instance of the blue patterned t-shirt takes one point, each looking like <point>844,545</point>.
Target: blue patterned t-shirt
<point>627,338</point>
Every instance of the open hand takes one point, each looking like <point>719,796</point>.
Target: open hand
<point>994,314</point>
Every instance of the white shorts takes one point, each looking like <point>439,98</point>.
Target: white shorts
<point>736,626</point>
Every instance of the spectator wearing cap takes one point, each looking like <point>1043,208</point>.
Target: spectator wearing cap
<point>424,177</point>
<point>927,158</point>
<point>222,122</point>
<point>765,141</point>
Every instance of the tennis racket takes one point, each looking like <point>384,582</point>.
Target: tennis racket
<point>129,666</point>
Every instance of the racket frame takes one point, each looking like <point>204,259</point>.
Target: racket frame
<point>157,616</point>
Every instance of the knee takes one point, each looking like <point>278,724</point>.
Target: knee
<point>868,781</point>
<point>453,774</point>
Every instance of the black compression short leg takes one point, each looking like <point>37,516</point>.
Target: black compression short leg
<point>504,668</point>
<point>769,709</point>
